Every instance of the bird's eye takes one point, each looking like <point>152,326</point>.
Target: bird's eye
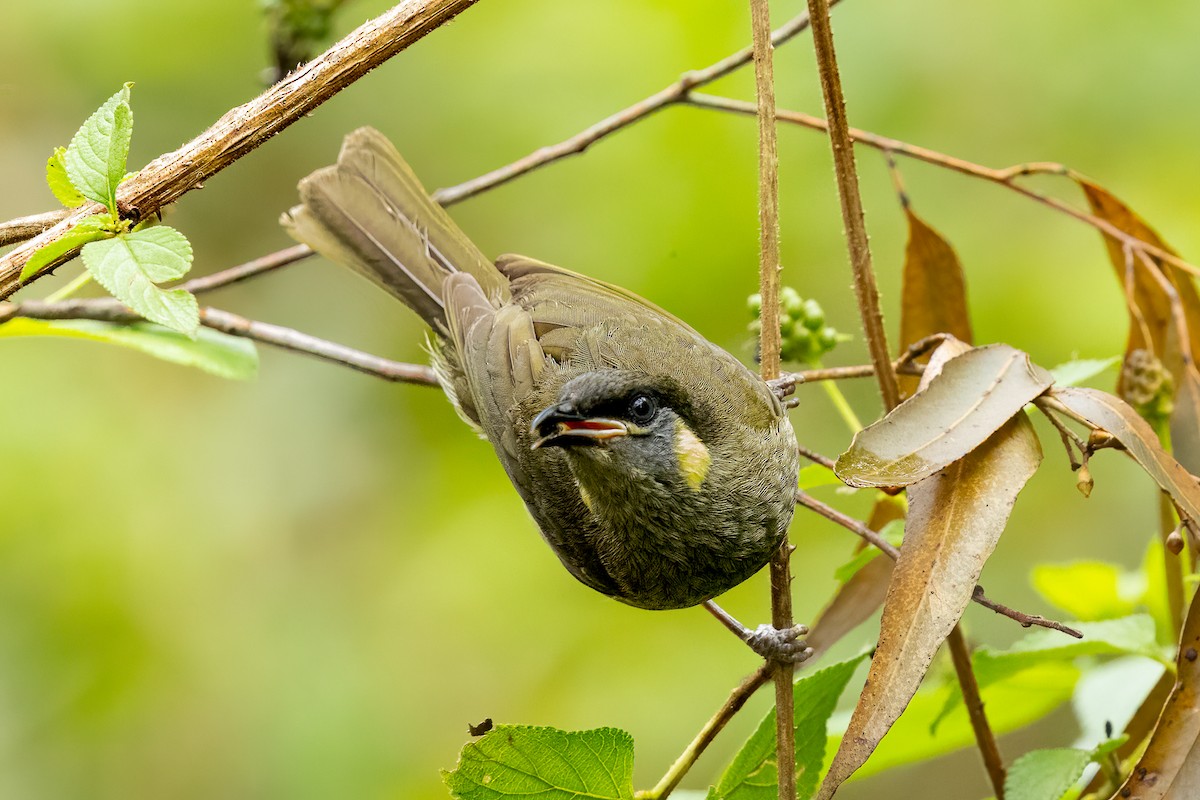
<point>642,408</point>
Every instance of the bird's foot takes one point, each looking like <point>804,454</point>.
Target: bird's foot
<point>786,646</point>
<point>783,386</point>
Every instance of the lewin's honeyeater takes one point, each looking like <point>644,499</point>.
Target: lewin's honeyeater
<point>659,468</point>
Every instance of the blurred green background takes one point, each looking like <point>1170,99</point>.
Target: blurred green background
<point>308,585</point>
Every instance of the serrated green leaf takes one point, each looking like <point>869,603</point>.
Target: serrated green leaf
<point>89,229</point>
<point>754,775</point>
<point>130,265</point>
<point>1087,590</point>
<point>1011,703</point>
<point>1045,774</point>
<point>95,159</point>
<point>893,533</point>
<point>1073,373</point>
<point>59,183</point>
<point>211,351</point>
<point>516,762</point>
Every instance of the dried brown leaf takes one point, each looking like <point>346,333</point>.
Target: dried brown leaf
<point>1185,422</point>
<point>955,519</point>
<point>852,605</point>
<point>976,394</point>
<point>1170,767</point>
<point>934,291</point>
<point>1118,418</point>
<point>858,598</point>
<point>1148,299</point>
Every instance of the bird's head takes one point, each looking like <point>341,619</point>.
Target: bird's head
<point>621,427</point>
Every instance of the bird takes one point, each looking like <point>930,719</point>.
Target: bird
<point>660,469</point>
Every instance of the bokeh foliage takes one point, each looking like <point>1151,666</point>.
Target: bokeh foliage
<point>308,586</point>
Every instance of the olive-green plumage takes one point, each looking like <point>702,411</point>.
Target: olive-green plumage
<point>658,467</point>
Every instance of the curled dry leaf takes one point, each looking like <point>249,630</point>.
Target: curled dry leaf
<point>1148,296</point>
<point>934,291</point>
<point>1170,767</point>
<point>955,519</point>
<point>1185,422</point>
<point>976,394</point>
<point>1118,419</point>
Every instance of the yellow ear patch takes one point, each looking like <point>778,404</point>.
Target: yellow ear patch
<point>694,458</point>
<point>584,496</point>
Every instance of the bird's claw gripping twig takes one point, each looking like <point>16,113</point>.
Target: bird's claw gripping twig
<point>783,386</point>
<point>785,645</point>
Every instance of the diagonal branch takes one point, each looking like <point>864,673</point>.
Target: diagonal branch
<point>675,93</point>
<point>1004,177</point>
<point>865,289</point>
<point>244,128</point>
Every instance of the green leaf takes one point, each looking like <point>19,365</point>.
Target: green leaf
<point>815,475</point>
<point>95,159</point>
<point>216,353</point>
<point>131,264</point>
<point>59,183</point>
<point>753,774</point>
<point>1076,372</point>
<point>893,532</point>
<point>517,761</point>
<point>1012,703</point>
<point>89,229</point>
<point>1045,774</point>
<point>1132,635</point>
<point>1087,590</point>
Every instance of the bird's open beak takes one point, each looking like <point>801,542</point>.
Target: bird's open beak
<point>560,424</point>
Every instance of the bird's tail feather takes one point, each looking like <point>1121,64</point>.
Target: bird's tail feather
<point>370,213</point>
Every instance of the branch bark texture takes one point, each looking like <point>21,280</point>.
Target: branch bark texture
<point>244,128</point>
<point>852,211</point>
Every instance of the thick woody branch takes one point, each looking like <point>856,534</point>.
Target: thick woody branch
<point>244,128</point>
<point>22,228</point>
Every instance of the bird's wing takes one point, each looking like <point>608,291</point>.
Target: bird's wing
<point>498,354</point>
<point>559,297</point>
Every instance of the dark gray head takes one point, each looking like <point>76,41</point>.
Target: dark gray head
<point>624,426</point>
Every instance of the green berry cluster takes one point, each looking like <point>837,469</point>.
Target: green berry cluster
<point>805,336</point>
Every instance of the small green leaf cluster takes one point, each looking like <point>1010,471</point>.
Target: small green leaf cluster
<point>805,336</point>
<point>129,261</point>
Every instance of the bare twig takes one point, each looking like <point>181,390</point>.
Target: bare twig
<point>960,654</point>
<point>251,269</point>
<point>107,309</point>
<point>1004,177</point>
<point>1026,620</point>
<point>891,551</point>
<point>852,210</point>
<point>815,457</point>
<point>244,128</point>
<point>581,141</point>
<point>706,735</point>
